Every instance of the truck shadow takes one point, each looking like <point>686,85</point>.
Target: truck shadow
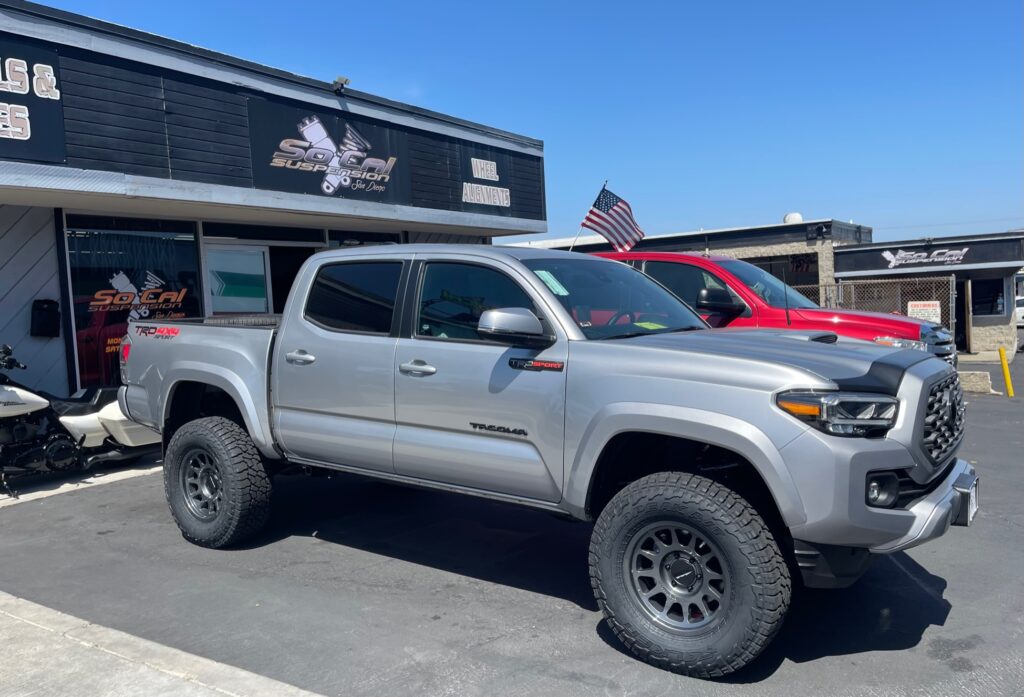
<point>889,609</point>
<point>487,540</point>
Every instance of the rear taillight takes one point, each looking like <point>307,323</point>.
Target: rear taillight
<point>126,350</point>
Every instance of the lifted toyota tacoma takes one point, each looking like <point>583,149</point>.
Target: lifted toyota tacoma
<point>717,465</point>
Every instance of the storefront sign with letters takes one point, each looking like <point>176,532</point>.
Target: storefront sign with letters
<point>31,115</point>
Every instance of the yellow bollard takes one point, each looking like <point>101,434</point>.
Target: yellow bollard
<point>1006,372</point>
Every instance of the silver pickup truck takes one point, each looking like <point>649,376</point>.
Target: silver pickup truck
<point>716,465</point>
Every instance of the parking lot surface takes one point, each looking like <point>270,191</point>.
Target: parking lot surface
<point>365,588</point>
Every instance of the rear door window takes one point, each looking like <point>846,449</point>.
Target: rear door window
<point>685,280</point>
<point>355,296</point>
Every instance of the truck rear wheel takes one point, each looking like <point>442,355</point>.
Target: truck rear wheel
<point>216,483</point>
<point>688,575</point>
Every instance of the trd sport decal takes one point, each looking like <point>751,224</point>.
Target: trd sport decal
<point>531,364</point>
<point>498,429</point>
<point>157,332</point>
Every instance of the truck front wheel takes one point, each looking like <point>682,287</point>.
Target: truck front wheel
<point>216,483</point>
<point>688,575</point>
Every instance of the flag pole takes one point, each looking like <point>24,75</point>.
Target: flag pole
<point>574,239</point>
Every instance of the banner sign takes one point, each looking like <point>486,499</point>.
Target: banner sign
<point>344,155</point>
<point>304,152</point>
<point>932,258</point>
<point>31,115</point>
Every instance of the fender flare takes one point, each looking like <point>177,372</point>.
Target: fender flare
<point>234,386</point>
<point>699,425</point>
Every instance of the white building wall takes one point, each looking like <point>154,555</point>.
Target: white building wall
<point>29,269</point>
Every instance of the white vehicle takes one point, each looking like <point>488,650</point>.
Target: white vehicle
<point>43,433</point>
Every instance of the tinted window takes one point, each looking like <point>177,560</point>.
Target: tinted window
<point>355,296</point>
<point>682,279</point>
<point>455,295</point>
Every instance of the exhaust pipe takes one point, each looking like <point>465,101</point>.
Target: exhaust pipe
<point>119,454</point>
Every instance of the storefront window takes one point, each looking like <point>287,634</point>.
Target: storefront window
<point>237,279</point>
<point>121,274</point>
<point>987,297</point>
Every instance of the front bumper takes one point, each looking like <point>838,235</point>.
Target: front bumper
<point>932,516</point>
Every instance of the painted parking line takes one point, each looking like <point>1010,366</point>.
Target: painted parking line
<point>55,653</point>
<point>33,491</point>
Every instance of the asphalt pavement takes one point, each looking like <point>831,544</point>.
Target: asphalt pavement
<point>365,588</point>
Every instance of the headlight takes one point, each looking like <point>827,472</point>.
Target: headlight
<point>842,413</point>
<point>901,343</point>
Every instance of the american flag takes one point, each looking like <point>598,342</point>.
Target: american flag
<point>612,218</point>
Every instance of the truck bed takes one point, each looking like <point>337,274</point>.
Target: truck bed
<point>230,353</point>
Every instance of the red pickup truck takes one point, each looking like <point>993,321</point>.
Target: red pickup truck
<point>734,293</point>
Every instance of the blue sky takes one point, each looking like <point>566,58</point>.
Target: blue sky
<point>906,116</point>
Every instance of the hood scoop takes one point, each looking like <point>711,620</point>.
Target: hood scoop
<point>817,337</point>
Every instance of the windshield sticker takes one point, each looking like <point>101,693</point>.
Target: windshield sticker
<point>551,282</point>
<point>650,325</point>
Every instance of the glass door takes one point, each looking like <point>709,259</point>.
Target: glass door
<point>136,272</point>
<point>237,279</point>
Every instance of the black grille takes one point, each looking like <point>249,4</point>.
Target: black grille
<point>943,419</point>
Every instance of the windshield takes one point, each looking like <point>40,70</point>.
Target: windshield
<point>609,300</point>
<point>767,287</point>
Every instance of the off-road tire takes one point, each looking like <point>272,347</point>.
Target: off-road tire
<point>245,482</point>
<point>754,603</point>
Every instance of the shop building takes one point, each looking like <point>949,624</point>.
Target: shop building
<point>144,177</point>
<point>983,266</point>
<point>799,252</point>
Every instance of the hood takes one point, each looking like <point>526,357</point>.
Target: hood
<point>852,364</point>
<point>899,326</point>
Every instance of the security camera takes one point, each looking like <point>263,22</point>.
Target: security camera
<point>339,84</point>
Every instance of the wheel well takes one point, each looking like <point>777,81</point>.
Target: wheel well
<point>194,400</point>
<point>630,456</point>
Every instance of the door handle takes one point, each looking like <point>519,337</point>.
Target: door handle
<point>417,367</point>
<point>300,357</point>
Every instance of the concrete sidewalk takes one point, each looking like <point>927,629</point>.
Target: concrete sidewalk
<point>49,653</point>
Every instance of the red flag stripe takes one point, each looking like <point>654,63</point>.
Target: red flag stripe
<point>622,236</point>
<point>626,220</point>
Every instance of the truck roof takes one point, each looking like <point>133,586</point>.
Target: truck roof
<point>666,255</point>
<point>479,250</point>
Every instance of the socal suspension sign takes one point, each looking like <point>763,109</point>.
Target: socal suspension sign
<point>31,115</point>
<point>325,154</point>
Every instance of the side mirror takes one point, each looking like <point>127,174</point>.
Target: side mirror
<point>515,326</point>
<point>718,300</point>
<point>6,350</point>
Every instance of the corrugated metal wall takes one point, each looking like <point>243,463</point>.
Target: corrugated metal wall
<point>29,270</point>
<point>443,238</point>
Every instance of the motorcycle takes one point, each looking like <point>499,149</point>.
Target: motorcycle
<point>43,433</point>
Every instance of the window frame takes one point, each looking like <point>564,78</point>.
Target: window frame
<point>412,310</point>
<point>397,312</point>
